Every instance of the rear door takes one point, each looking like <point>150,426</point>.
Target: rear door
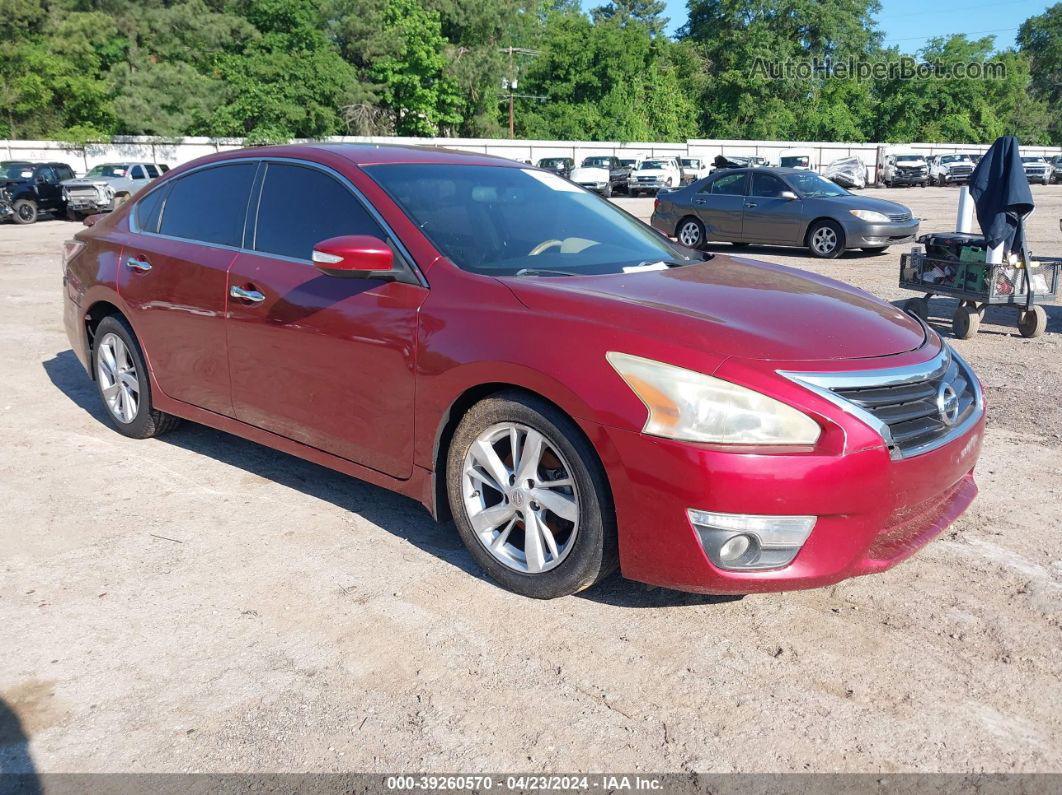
<point>720,203</point>
<point>324,360</point>
<point>173,278</point>
<point>768,217</point>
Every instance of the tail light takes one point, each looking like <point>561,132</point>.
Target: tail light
<point>71,248</point>
<point>656,203</point>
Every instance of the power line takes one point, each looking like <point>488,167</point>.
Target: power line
<point>940,36</point>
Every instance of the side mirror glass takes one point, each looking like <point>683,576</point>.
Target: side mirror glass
<point>787,194</point>
<point>352,256</point>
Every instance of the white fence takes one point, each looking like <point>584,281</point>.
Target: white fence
<point>177,151</point>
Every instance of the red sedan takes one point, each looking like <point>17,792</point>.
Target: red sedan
<point>574,389</point>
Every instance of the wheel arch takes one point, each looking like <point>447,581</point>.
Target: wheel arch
<point>451,418</point>
<point>813,221</point>
<point>92,317</point>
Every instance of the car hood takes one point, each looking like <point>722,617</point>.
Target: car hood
<point>649,172</point>
<point>735,307</point>
<point>853,202</point>
<point>590,174</point>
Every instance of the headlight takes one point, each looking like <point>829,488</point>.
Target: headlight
<point>694,407</point>
<point>870,216</point>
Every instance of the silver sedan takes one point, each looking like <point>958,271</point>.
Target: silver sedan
<point>781,207</point>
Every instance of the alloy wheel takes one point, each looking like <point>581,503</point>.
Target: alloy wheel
<point>520,497</point>
<point>690,234</point>
<point>824,240</point>
<point>118,378</point>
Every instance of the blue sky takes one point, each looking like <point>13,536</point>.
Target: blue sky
<point>908,23</point>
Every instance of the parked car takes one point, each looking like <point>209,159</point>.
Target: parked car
<point>906,168</point>
<point>950,169</point>
<point>501,345</point>
<point>1037,169</point>
<point>784,207</point>
<point>28,189</point>
<point>693,169</point>
<point>797,158</point>
<point>602,174</point>
<point>561,166</point>
<point>1056,168</point>
<point>654,174</point>
<point>107,186</point>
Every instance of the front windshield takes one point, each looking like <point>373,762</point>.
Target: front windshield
<point>953,158</point>
<point>1032,160</point>
<point>551,162</point>
<point>498,221</point>
<point>596,162</point>
<point>653,164</point>
<point>795,161</point>
<point>917,158</point>
<point>630,163</point>
<point>17,170</point>
<point>810,185</point>
<point>107,170</point>
<point>691,163</point>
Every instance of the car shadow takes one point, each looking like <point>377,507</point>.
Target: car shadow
<point>762,250</point>
<point>17,771</point>
<point>941,309</point>
<point>398,515</point>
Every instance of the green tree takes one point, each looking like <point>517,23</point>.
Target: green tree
<point>1040,38</point>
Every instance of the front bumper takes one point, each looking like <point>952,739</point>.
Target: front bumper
<point>83,204</point>
<point>910,179</point>
<point>860,234</point>
<point>594,186</point>
<point>873,511</point>
<point>956,179</point>
<point>6,210</point>
<point>656,184</point>
<point>1036,176</point>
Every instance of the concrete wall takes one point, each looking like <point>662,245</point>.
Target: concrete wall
<point>175,152</point>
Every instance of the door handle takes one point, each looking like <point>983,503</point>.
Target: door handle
<point>700,202</point>
<point>135,264</point>
<point>246,295</point>
<point>750,204</point>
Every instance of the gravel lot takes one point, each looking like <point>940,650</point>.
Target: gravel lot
<point>199,603</point>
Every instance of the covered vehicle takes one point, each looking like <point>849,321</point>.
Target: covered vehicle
<point>848,172</point>
<point>601,173</point>
<point>27,189</point>
<point>785,207</point>
<point>654,174</point>
<point>107,186</point>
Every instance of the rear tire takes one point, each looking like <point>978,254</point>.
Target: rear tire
<point>826,240</point>
<point>123,383</point>
<point>690,233</point>
<point>568,555</point>
<point>25,211</point>
<point>1032,322</point>
<point>965,321</point>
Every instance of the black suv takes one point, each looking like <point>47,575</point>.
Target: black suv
<point>27,189</point>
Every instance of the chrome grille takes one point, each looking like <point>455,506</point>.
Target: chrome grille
<point>964,171</point>
<point>900,217</point>
<point>915,409</point>
<point>81,190</point>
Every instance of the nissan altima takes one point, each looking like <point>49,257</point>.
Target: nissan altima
<point>575,390</point>
<point>781,207</point>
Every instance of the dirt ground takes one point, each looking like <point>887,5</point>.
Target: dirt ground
<point>200,603</point>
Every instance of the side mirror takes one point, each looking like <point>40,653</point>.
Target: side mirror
<point>352,256</point>
<point>788,195</point>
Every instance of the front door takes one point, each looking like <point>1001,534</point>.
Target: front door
<point>172,276</point>
<point>768,217</point>
<point>324,360</point>
<point>719,205</point>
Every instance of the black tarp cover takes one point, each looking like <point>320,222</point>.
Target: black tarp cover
<point>1001,195</point>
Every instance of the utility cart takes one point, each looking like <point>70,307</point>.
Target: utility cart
<point>954,265</point>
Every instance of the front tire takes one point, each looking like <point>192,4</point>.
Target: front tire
<point>25,211</point>
<point>607,191</point>
<point>826,240</point>
<point>530,498</point>
<point>122,381</point>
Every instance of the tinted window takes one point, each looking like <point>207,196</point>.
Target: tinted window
<point>301,206</point>
<point>209,205</point>
<point>767,185</point>
<point>730,185</point>
<point>45,173</point>
<point>138,172</point>
<point>64,172</point>
<point>148,209</point>
<point>151,170</point>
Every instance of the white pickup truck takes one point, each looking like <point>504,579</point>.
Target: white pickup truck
<point>693,169</point>
<point>653,174</point>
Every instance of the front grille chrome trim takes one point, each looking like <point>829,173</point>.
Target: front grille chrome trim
<point>827,385</point>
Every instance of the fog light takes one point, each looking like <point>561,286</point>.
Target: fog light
<point>734,548</point>
<point>750,541</point>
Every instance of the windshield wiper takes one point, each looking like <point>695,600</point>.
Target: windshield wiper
<point>542,272</point>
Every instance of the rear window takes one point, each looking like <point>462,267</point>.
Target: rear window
<point>209,205</point>
<point>151,170</point>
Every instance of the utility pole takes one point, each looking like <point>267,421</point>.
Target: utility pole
<point>510,84</point>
